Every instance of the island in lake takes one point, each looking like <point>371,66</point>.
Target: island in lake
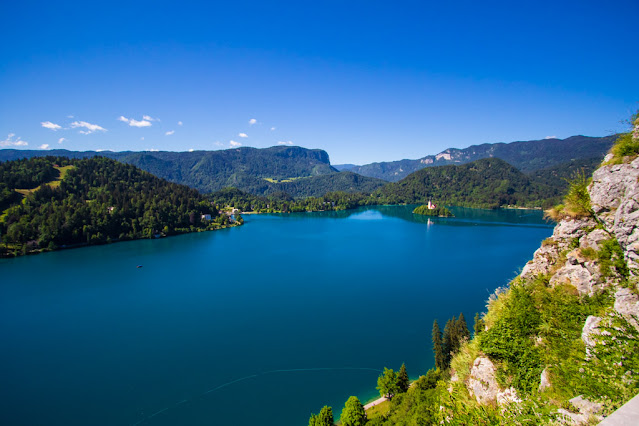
<point>432,209</point>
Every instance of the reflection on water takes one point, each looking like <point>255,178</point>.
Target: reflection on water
<point>463,216</point>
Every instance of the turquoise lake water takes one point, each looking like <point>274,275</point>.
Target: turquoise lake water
<point>261,324</point>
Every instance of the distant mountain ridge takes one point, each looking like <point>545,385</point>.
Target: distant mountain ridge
<point>303,172</point>
<point>300,172</point>
<point>527,156</point>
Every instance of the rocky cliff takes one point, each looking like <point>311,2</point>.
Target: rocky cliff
<point>576,361</point>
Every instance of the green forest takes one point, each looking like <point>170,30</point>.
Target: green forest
<point>487,183</point>
<point>53,202</point>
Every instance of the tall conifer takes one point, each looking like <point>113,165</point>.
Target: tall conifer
<point>463,334</point>
<point>402,379</point>
<point>438,347</point>
<point>449,340</point>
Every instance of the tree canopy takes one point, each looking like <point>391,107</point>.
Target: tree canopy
<point>353,413</point>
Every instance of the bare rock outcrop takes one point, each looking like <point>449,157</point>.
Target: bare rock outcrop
<point>544,380</point>
<point>614,195</point>
<point>590,331</point>
<point>544,260</point>
<point>547,258</point>
<point>568,229</point>
<point>627,304</point>
<point>594,239</point>
<point>584,280</point>
<point>481,382</point>
<point>587,411</point>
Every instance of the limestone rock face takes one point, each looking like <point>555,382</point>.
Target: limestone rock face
<point>577,275</point>
<point>627,304</point>
<point>546,258</point>
<point>587,410</point>
<point>481,381</point>
<point>544,381</point>
<point>614,195</point>
<point>543,261</point>
<point>507,396</point>
<point>566,230</point>
<point>594,239</point>
<point>591,328</point>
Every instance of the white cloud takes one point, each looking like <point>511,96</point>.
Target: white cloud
<point>191,150</point>
<point>243,135</point>
<point>550,137</point>
<point>142,138</point>
<point>90,127</point>
<point>44,146</point>
<point>149,118</point>
<point>170,132</point>
<point>252,121</point>
<point>61,140</point>
<point>135,123</point>
<point>289,143</point>
<point>272,128</point>
<point>234,144</point>
<point>218,143</point>
<point>70,116</point>
<point>11,140</point>
<point>50,125</point>
<point>153,150</point>
<point>179,123</point>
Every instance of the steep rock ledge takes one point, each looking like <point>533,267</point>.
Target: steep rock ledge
<point>570,256</point>
<point>614,194</point>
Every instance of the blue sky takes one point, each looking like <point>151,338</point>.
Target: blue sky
<point>365,80</point>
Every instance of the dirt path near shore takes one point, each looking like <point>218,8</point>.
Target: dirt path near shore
<point>374,403</point>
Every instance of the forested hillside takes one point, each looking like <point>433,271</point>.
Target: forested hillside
<point>251,169</point>
<point>53,202</point>
<point>487,183</point>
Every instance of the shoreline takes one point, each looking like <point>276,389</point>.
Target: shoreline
<point>13,254</point>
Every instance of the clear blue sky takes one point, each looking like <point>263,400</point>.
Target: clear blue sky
<point>364,80</point>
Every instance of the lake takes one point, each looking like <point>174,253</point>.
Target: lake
<point>259,324</point>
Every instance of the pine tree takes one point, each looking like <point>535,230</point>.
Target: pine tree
<point>324,418</point>
<point>438,347</point>
<point>463,335</point>
<point>402,379</point>
<point>448,341</point>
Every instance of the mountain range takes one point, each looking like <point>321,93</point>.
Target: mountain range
<point>302,172</point>
<point>527,156</point>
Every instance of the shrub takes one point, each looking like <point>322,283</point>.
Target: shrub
<point>611,256</point>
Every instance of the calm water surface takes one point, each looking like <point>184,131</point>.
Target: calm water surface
<point>261,324</point>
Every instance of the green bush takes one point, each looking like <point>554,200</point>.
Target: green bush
<point>625,146</point>
<point>577,200</point>
<point>510,340</point>
<point>611,256</point>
